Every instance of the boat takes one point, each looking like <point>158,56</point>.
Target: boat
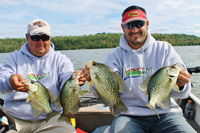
<point>94,114</point>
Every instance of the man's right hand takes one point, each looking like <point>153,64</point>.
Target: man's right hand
<point>16,83</point>
<point>86,74</point>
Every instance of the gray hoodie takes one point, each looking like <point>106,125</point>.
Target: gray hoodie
<point>52,70</point>
<point>142,63</point>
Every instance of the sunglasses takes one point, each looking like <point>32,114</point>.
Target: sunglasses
<point>138,24</point>
<point>37,38</point>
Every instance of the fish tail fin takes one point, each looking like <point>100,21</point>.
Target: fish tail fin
<point>65,118</point>
<point>52,114</point>
<point>152,107</point>
<point>119,107</point>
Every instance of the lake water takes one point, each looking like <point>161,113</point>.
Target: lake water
<point>189,54</point>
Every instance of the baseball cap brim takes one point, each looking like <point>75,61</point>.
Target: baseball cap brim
<point>39,31</point>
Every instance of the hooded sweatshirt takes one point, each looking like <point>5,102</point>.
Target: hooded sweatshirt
<point>52,70</point>
<point>134,66</point>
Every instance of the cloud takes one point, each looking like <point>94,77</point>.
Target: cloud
<point>92,9</point>
<point>9,3</point>
<point>193,10</point>
<point>85,28</point>
<point>166,5</point>
<point>197,26</point>
<point>84,17</point>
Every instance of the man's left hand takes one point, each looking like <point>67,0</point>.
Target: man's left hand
<point>183,78</point>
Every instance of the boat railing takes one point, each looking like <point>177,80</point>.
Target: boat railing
<point>194,70</point>
<point>195,99</point>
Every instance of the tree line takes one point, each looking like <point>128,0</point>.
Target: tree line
<point>97,41</point>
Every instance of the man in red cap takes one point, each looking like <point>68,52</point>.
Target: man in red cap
<point>138,57</point>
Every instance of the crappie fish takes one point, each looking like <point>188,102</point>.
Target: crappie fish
<point>40,98</point>
<point>108,85</point>
<point>68,98</point>
<point>158,86</point>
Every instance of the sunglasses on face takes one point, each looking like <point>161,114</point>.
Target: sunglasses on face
<point>37,38</point>
<point>138,24</point>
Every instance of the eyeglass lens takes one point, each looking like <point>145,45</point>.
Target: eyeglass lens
<point>37,38</point>
<point>139,24</point>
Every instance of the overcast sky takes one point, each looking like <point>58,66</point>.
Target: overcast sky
<point>84,17</point>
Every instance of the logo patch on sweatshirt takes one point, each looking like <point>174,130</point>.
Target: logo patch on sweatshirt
<point>136,72</point>
<point>37,77</point>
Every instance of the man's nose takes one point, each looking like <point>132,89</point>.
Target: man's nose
<point>134,29</point>
<point>40,41</point>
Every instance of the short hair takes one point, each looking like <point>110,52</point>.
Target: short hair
<point>133,8</point>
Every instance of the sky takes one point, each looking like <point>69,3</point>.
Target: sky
<point>85,17</point>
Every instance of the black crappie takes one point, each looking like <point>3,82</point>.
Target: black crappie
<point>158,86</point>
<point>68,98</point>
<point>108,85</point>
<point>40,98</point>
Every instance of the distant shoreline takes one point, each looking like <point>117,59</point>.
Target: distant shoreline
<point>97,41</point>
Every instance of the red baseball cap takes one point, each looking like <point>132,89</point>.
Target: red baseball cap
<point>133,15</point>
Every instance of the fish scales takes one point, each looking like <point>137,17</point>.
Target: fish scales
<point>157,82</point>
<point>43,101</point>
<point>158,86</point>
<point>40,98</point>
<point>68,98</point>
<point>108,85</point>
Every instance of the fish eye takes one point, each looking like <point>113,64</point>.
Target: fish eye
<point>94,64</point>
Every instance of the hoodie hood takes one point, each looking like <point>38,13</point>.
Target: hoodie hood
<point>124,43</point>
<point>25,49</point>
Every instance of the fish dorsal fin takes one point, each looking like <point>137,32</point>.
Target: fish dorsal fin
<point>165,104</point>
<point>52,96</point>
<point>144,85</point>
<point>122,84</point>
<point>176,88</point>
<point>57,103</point>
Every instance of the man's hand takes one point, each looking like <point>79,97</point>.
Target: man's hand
<point>86,74</point>
<point>81,79</point>
<point>183,78</point>
<point>16,83</point>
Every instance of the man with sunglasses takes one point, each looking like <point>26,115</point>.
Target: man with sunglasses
<point>139,56</point>
<point>38,61</point>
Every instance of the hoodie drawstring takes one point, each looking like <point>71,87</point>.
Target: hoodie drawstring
<point>130,72</point>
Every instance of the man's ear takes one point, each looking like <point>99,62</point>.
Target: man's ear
<point>26,36</point>
<point>122,27</point>
<point>147,25</point>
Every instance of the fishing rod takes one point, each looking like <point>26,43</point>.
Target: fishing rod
<point>194,70</point>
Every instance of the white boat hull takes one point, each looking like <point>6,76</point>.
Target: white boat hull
<point>196,102</point>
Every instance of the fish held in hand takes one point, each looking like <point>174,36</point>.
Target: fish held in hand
<point>108,85</point>
<point>40,98</point>
<point>158,86</point>
<point>68,98</point>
